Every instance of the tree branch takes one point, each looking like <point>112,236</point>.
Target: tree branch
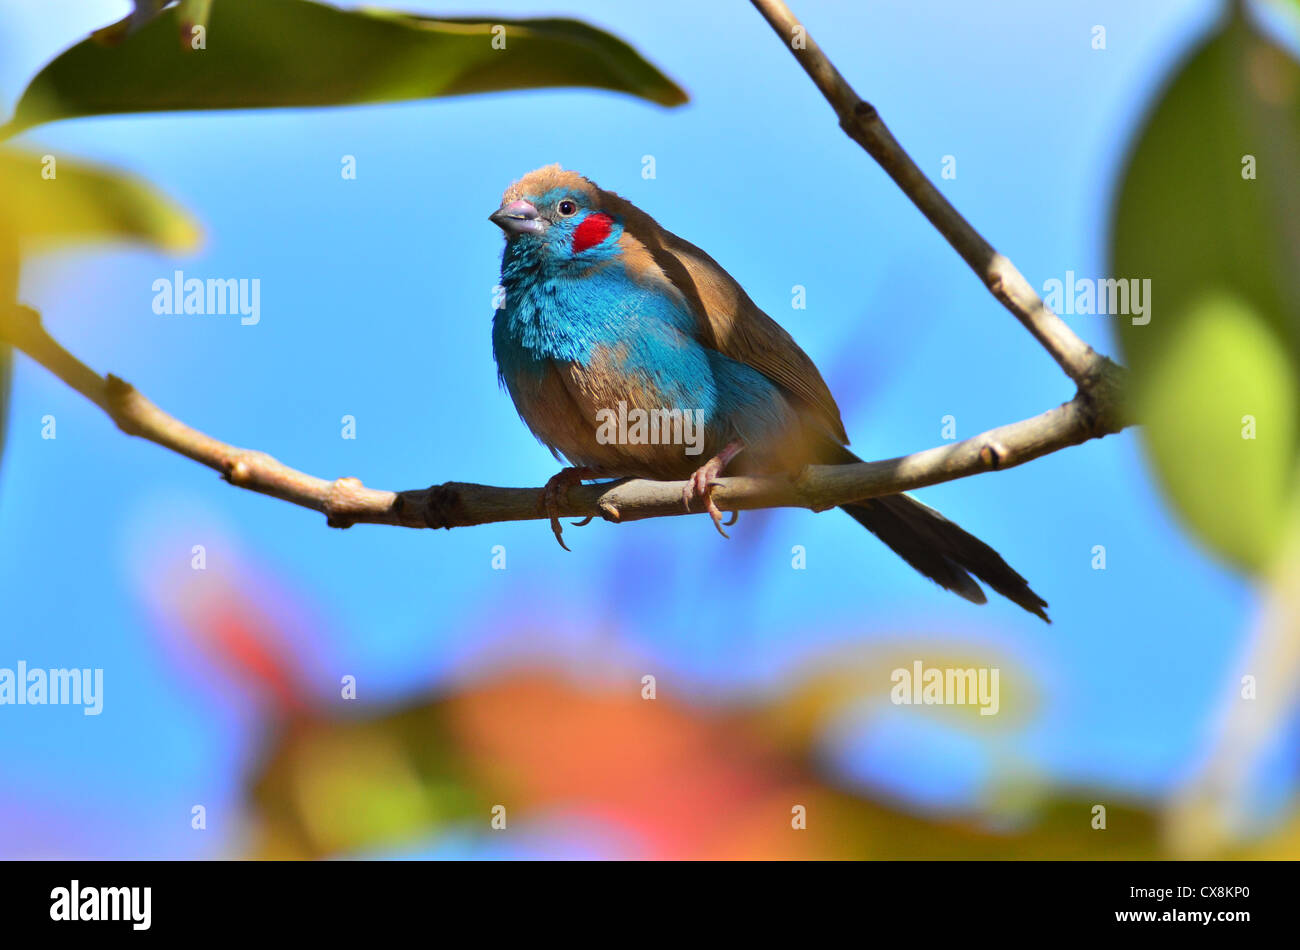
<point>863,124</point>
<point>345,501</point>
<point>1095,411</point>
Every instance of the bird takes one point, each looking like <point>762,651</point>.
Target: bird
<point>602,314</point>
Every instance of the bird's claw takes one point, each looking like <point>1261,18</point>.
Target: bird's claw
<point>559,533</point>
<point>701,482</point>
<point>700,485</point>
<point>555,491</point>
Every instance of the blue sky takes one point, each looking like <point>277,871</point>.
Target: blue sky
<point>376,302</point>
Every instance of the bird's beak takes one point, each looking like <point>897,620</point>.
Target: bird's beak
<point>518,217</point>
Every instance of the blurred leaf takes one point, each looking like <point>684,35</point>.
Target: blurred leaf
<point>347,785</point>
<point>850,680</point>
<point>263,53</point>
<point>1059,829</point>
<point>661,779</point>
<point>1222,251</point>
<point>8,296</point>
<point>1279,844</point>
<point>1223,368</point>
<point>83,203</point>
<point>194,13</point>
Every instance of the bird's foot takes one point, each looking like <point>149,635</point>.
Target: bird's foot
<point>554,493</point>
<point>700,485</point>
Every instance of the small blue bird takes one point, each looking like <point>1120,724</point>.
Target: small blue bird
<point>632,353</point>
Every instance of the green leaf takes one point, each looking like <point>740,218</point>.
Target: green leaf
<point>1219,408</point>
<point>264,53</point>
<point>48,200</point>
<point>1209,211</point>
<point>351,785</point>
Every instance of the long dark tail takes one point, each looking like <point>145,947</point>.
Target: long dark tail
<point>940,549</point>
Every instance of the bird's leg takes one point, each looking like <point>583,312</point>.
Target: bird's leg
<point>700,484</point>
<point>557,488</point>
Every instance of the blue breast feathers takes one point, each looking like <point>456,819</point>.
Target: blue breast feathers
<point>622,340</point>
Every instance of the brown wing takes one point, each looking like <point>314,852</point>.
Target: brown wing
<point>729,321</point>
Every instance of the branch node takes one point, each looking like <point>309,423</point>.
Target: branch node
<point>238,472</point>
<point>118,389</point>
<point>118,394</point>
<point>243,467</point>
<point>1102,394</point>
<point>864,111</point>
<point>991,454</point>
<point>609,511</point>
<point>443,506</point>
<point>801,478</point>
<point>336,507</point>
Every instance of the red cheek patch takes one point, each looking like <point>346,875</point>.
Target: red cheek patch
<point>593,229</point>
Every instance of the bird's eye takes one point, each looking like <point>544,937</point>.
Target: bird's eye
<point>567,208</point>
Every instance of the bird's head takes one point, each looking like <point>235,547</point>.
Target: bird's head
<point>557,216</point>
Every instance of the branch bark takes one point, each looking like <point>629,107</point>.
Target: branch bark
<point>1095,410</point>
